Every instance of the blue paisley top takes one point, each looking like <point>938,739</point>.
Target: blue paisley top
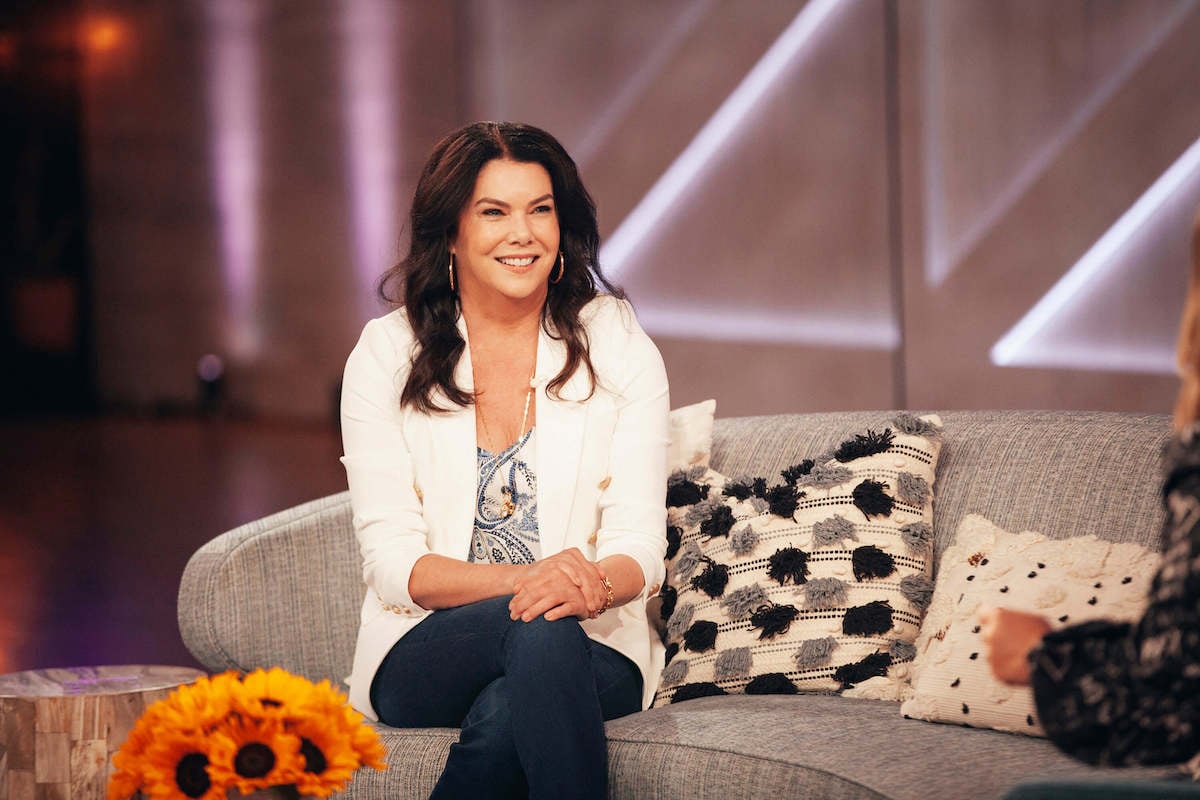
<point>506,479</point>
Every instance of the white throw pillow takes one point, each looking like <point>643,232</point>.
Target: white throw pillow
<point>691,432</point>
<point>1065,580</point>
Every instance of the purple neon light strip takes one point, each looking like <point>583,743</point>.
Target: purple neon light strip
<point>233,96</point>
<point>369,88</point>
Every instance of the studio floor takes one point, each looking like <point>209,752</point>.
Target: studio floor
<point>98,518</point>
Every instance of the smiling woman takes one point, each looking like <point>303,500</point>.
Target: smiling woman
<point>505,437</point>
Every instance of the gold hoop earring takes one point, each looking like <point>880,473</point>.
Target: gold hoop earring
<point>450,271</point>
<point>562,267</point>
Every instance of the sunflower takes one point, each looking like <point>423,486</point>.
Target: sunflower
<point>331,755</point>
<point>199,707</point>
<point>267,728</point>
<point>253,754</point>
<point>175,766</point>
<point>273,693</point>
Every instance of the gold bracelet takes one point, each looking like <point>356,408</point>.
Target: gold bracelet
<point>608,601</point>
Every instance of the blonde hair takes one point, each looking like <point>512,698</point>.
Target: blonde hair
<point>1187,406</point>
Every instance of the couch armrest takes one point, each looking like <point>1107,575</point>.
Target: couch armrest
<point>283,591</point>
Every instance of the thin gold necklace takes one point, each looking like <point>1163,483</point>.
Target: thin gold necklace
<point>509,491</point>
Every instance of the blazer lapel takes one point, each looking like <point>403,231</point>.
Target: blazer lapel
<point>558,443</point>
<point>452,445</point>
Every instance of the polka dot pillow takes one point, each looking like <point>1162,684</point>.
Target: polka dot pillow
<point>1066,580</point>
<point>814,580</point>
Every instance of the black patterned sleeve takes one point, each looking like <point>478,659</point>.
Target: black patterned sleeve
<point>1114,694</point>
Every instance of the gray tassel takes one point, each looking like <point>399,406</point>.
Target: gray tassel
<point>824,476</point>
<point>917,589</point>
<point>675,673</point>
<point>815,652</point>
<point>902,651</point>
<point>733,663</point>
<point>693,474</point>
<point>680,621</point>
<point>688,559</point>
<point>742,540</point>
<point>702,510</point>
<point>833,531</point>
<point>915,426</point>
<point>824,593</point>
<point>917,536</point>
<point>741,603</point>
<point>912,489</point>
<point>759,504</point>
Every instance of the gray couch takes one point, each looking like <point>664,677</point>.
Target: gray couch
<point>286,590</point>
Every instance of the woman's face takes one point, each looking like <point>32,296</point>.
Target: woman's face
<point>507,241</point>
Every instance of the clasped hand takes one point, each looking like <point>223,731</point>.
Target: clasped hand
<point>563,585</point>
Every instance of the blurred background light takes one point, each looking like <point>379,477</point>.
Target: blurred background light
<point>368,65</point>
<point>102,34</point>
<point>1174,195</point>
<point>234,104</point>
<point>616,254</point>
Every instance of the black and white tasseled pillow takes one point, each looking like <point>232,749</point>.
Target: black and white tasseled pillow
<point>814,581</point>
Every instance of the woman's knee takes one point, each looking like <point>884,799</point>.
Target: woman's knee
<point>542,632</point>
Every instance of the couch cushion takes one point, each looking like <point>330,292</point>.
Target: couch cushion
<point>803,747</point>
<point>821,747</point>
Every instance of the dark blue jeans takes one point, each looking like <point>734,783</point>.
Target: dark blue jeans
<point>531,699</point>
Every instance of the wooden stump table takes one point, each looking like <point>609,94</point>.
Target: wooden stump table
<point>59,728</point>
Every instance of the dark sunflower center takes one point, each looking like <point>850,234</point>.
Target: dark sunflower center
<point>191,775</point>
<point>314,759</point>
<point>253,760</point>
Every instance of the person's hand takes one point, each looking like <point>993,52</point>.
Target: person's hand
<point>1008,636</point>
<point>565,584</point>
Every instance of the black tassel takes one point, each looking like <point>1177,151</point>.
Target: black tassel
<point>685,493</point>
<point>713,580</point>
<point>794,472</point>
<point>788,564</point>
<point>690,691</point>
<point>718,523</point>
<point>758,487</point>
<point>871,500</point>
<point>674,538</point>
<point>700,637</point>
<point>782,500</point>
<point>869,620</point>
<point>773,619</point>
<point>669,597</point>
<point>672,651</point>
<point>771,683</point>
<point>738,488</point>
<point>862,445</point>
<point>869,561</point>
<point>873,666</point>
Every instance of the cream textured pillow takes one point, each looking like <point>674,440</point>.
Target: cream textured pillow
<point>814,583</point>
<point>691,432</point>
<point>1067,581</point>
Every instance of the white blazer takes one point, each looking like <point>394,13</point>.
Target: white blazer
<point>600,464</point>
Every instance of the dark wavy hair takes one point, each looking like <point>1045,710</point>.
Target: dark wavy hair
<point>421,283</point>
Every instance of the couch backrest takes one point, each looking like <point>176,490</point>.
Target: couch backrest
<point>1062,473</point>
<point>286,590</point>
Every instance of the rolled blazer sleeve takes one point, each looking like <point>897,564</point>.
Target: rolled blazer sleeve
<point>632,505</point>
<point>388,520</point>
